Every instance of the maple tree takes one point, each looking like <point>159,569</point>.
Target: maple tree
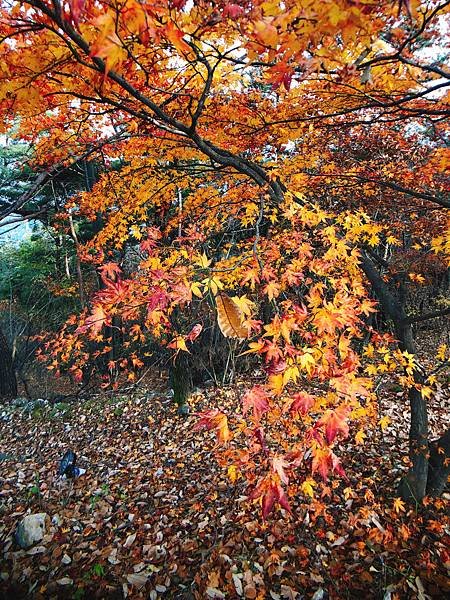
<point>245,133</point>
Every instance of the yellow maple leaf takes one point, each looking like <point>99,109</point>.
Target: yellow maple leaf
<point>291,374</point>
<point>384,422</point>
<point>253,347</point>
<point>360,437</point>
<point>348,493</point>
<point>308,486</point>
<point>416,277</point>
<point>136,232</point>
<point>232,473</point>
<point>276,383</point>
<point>180,343</point>
<point>426,392</point>
<point>244,304</point>
<point>307,362</point>
<point>441,352</point>
<point>399,505</point>
<point>369,351</point>
<point>196,289</point>
<point>272,290</point>
<point>213,283</point>
<point>203,261</point>
<point>393,240</point>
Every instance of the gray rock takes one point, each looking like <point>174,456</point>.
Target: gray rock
<point>32,529</point>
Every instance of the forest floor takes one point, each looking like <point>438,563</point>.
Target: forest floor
<point>154,516</point>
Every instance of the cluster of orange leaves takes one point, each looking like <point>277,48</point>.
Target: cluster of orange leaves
<point>180,93</point>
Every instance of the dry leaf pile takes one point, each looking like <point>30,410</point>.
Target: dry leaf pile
<point>156,517</point>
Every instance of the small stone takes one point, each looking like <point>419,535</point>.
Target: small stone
<point>32,529</point>
<point>56,520</point>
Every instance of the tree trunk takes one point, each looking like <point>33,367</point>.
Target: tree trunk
<point>8,382</point>
<point>77,263</point>
<point>439,465</point>
<point>413,487</point>
<point>180,376</point>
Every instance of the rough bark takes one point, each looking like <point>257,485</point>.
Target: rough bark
<point>439,465</point>
<point>180,376</point>
<point>8,381</point>
<point>414,486</point>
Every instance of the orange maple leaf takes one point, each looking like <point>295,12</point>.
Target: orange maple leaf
<point>214,419</point>
<point>175,37</point>
<point>110,271</point>
<point>324,461</point>
<point>335,422</point>
<point>95,320</point>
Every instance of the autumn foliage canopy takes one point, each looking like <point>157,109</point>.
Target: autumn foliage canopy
<point>251,152</point>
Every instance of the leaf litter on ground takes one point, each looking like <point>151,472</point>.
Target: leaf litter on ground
<point>155,516</point>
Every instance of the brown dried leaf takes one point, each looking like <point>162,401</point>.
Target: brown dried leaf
<point>129,541</point>
<point>229,318</point>
<point>138,579</point>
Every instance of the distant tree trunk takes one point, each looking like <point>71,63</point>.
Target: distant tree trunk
<point>8,382</point>
<point>180,376</point>
<point>77,263</point>
<point>414,484</point>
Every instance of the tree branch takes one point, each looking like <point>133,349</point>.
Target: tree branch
<point>429,316</point>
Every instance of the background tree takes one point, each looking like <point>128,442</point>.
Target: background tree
<point>8,382</point>
<point>223,118</point>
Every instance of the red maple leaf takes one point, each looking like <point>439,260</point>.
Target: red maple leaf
<point>214,419</point>
<point>302,402</point>
<point>157,299</point>
<point>257,400</point>
<point>270,492</point>
<point>195,332</point>
<point>76,8</point>
<point>233,11</point>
